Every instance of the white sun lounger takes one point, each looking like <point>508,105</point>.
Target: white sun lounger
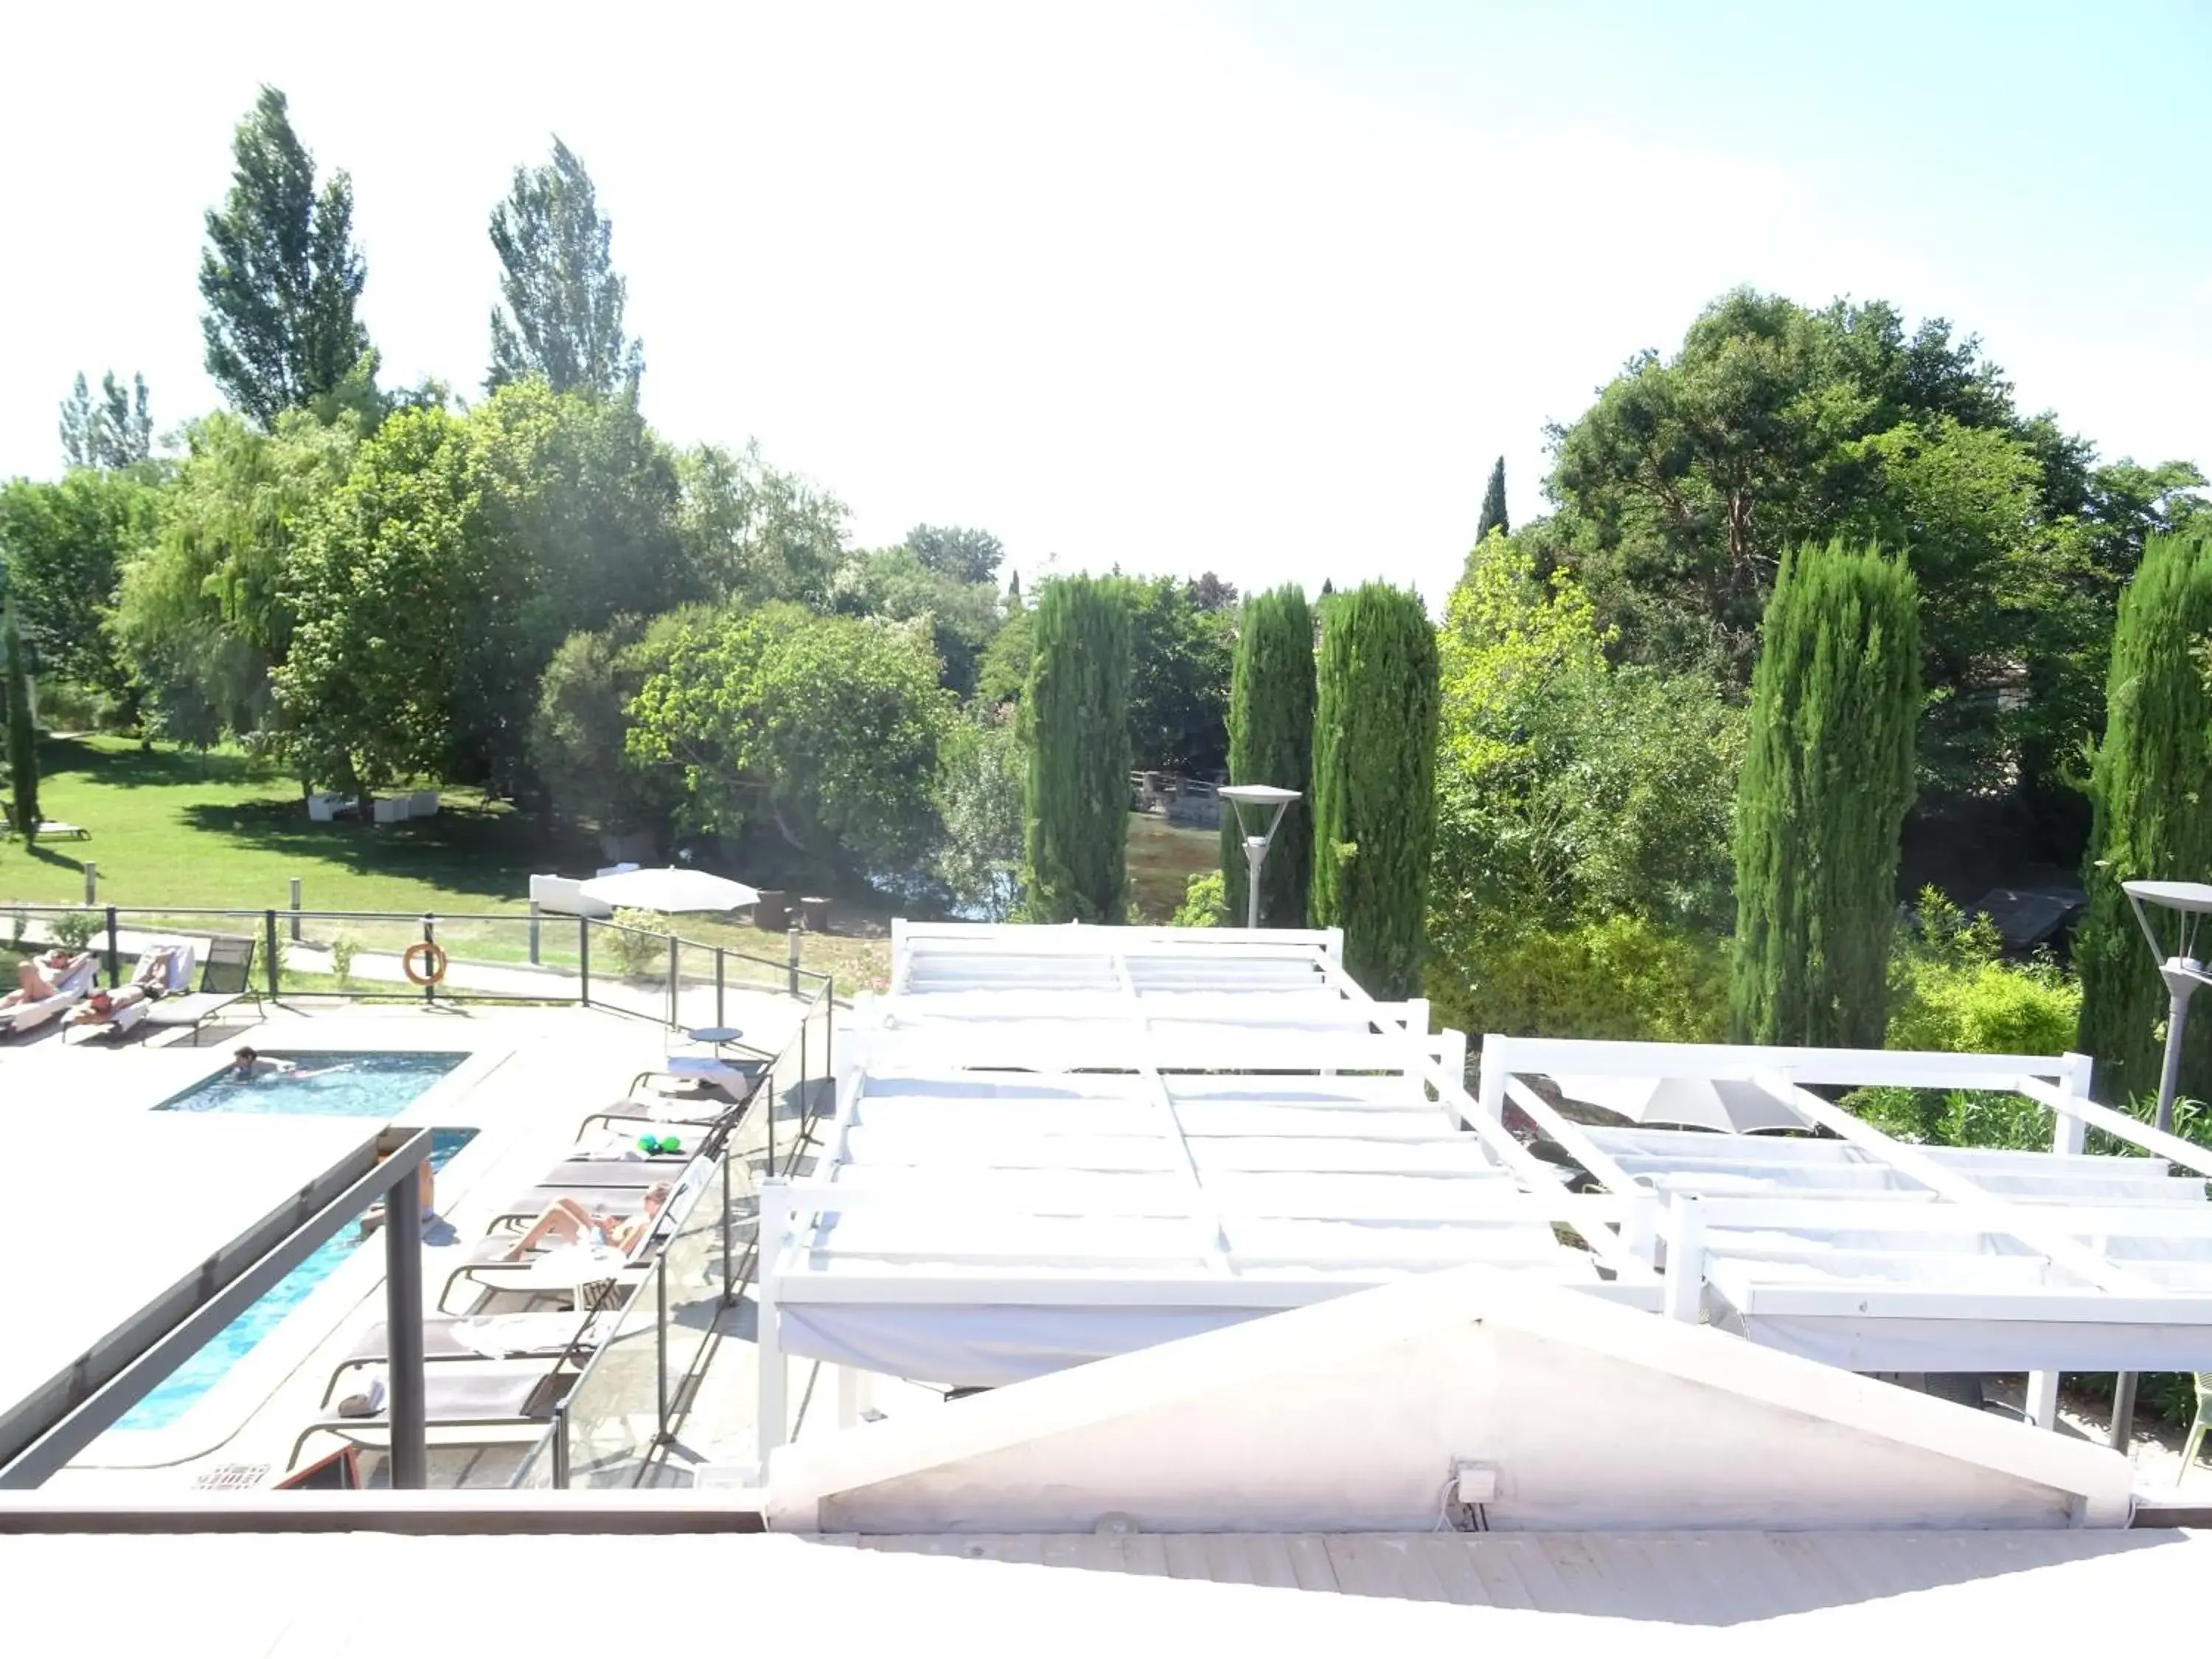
<point>130,1016</point>
<point>74,987</point>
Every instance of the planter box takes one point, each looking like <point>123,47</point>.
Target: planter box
<point>422,804</point>
<point>560,896</point>
<point>389,809</point>
<point>324,808</point>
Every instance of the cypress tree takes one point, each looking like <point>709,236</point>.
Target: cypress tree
<point>1271,699</point>
<point>22,736</point>
<point>1493,506</point>
<point>2150,788</point>
<point>1374,768</point>
<point>1075,718</point>
<point>1826,778</point>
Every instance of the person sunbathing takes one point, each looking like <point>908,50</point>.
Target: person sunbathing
<point>571,1223</point>
<point>150,984</point>
<point>40,977</point>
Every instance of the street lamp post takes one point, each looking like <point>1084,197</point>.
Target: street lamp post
<point>1257,797</point>
<point>2183,970</point>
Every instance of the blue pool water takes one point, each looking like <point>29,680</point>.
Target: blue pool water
<point>345,1084</point>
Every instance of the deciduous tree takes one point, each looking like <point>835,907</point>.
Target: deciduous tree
<point>281,275</point>
<point>562,315</point>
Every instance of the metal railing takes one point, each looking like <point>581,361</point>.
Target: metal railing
<point>635,1391</point>
<point>489,956</point>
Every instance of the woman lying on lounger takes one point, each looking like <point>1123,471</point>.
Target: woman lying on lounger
<point>150,984</point>
<point>572,1223</point>
<point>41,977</point>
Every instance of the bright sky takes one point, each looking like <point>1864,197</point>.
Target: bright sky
<point>1261,288</point>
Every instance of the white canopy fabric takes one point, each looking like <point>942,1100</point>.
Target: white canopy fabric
<point>1867,1253</point>
<point>1056,1145</point>
<point>670,890</point>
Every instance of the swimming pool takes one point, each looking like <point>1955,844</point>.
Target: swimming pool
<point>344,1084</point>
<point>340,1085</point>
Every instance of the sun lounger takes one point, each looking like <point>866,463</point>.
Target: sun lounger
<point>224,980</point>
<point>72,988</point>
<point>735,1078</point>
<point>504,1336</point>
<point>489,1265</point>
<point>132,1015</point>
<point>639,1171</point>
<point>480,1405</point>
<point>680,1111</point>
<point>48,828</point>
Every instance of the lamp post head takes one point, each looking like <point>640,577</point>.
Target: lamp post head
<point>2191,903</point>
<point>1260,797</point>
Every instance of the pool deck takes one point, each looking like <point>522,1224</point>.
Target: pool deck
<point>533,1073</point>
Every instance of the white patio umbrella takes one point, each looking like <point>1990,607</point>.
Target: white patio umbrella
<point>1732,1107</point>
<point>670,890</point>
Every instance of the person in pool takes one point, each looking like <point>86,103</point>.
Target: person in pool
<point>572,1223</point>
<point>247,1063</point>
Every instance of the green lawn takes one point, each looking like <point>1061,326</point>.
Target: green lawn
<point>170,827</point>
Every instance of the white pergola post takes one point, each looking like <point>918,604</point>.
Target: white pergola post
<point>775,1397</point>
<point>1685,1259</point>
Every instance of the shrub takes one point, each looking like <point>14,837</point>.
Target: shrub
<point>640,940</point>
<point>1952,992</point>
<point>1622,977</point>
<point>1205,903</point>
<point>342,954</point>
<point>73,929</point>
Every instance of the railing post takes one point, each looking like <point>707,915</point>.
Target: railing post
<point>660,1342</point>
<point>534,962</point>
<point>791,952</point>
<point>115,964</point>
<point>269,944</point>
<point>91,882</point>
<point>296,909</point>
<point>561,1445</point>
<point>429,937</point>
<point>584,957</point>
<point>672,969</point>
<point>829,1024</point>
<point>720,1017</point>
<point>403,1294</point>
<point>729,1259</point>
<point>1685,1259</point>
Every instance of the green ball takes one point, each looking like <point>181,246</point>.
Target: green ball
<point>648,1144</point>
<point>671,1144</point>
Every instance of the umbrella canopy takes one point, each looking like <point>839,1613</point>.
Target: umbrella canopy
<point>671,890</point>
<point>1732,1107</point>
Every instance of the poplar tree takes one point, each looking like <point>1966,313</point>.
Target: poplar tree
<point>2151,790</point>
<point>281,274</point>
<point>1075,719</point>
<point>1826,778</point>
<point>1271,700</point>
<point>562,318</point>
<point>1374,768</point>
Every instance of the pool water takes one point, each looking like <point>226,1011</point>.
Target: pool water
<point>345,1084</point>
<point>337,1085</point>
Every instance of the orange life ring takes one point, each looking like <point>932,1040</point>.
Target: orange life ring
<point>432,961</point>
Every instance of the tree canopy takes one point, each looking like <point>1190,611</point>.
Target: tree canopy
<point>562,316</point>
<point>280,275</point>
<point>116,431</point>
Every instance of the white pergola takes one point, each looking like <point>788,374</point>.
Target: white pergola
<point>1053,1145</point>
<point>1874,1254</point>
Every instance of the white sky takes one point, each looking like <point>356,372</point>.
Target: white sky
<point>1261,288</point>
